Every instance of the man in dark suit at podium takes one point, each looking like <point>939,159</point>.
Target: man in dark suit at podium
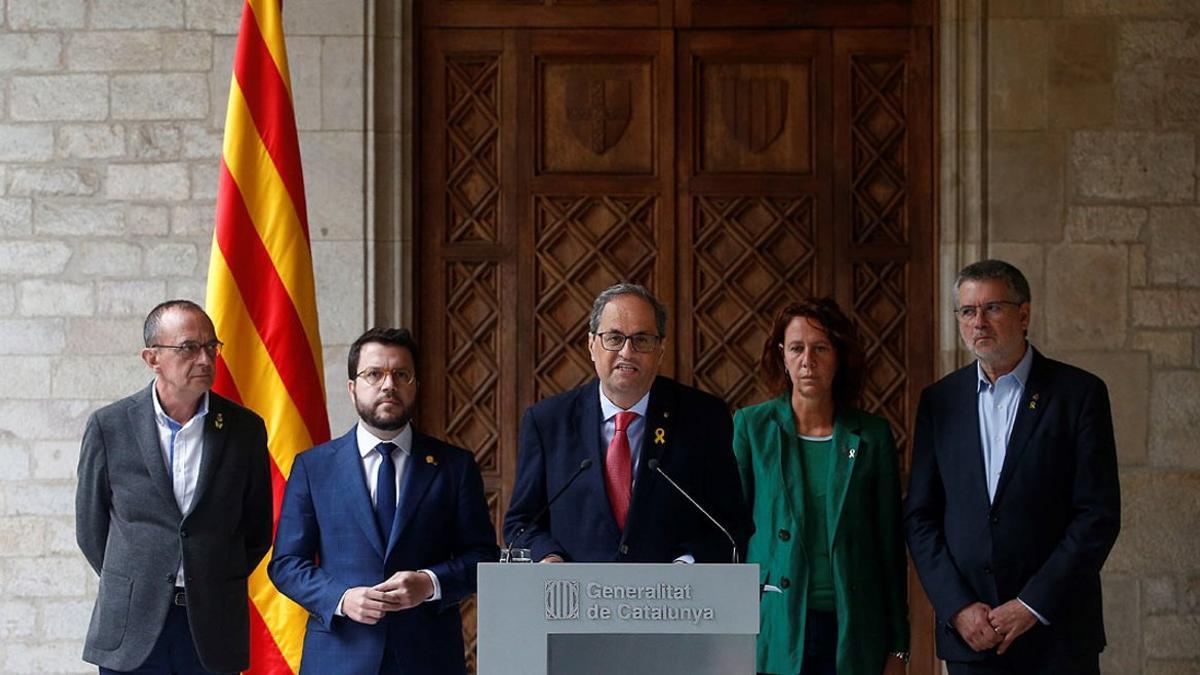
<point>620,509</point>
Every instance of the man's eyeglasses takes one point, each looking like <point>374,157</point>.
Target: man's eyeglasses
<point>191,348</point>
<point>992,310</point>
<point>613,341</point>
<point>375,376</point>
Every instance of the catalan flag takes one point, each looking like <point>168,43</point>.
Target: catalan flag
<point>261,295</point>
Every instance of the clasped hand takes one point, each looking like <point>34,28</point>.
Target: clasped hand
<point>984,627</point>
<point>403,590</point>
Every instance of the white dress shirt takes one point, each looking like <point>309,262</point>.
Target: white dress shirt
<point>370,463</point>
<point>182,447</point>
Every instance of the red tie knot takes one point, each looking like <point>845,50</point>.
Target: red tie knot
<point>624,419</point>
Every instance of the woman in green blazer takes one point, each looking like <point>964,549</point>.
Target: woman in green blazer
<point>822,480</point>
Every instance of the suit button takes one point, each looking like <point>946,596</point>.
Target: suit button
<point>987,570</point>
<point>171,578</point>
<point>784,535</point>
<point>624,549</point>
<point>993,518</point>
<point>183,533</point>
<point>785,582</point>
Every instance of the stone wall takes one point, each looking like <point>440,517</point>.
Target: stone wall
<point>111,114</point>
<point>1092,112</point>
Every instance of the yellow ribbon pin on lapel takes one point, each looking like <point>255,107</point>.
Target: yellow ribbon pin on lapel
<point>430,460</point>
<point>660,436</point>
<point>219,422</point>
<point>1033,402</point>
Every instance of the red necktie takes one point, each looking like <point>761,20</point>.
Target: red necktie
<point>618,470</point>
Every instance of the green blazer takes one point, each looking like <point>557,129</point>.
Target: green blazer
<point>866,547</point>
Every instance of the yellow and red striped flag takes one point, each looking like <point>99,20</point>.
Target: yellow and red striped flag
<point>261,294</point>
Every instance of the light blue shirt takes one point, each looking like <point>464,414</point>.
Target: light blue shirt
<point>998,404</point>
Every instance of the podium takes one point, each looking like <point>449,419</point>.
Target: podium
<point>617,618</point>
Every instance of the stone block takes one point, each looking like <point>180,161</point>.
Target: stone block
<point>1137,91</point>
<point>16,218</point>
<point>129,298</point>
<point>1166,307</point>
<point>71,220</point>
<point>221,76</point>
<point>30,52</point>
<point>193,220</point>
<point>43,657</point>
<point>160,181</point>
<point>99,378</point>
<point>187,50</point>
<point>107,259</point>
<point>1158,596</point>
<point>1181,97</point>
<point>188,289</point>
<point>1137,266</point>
<point>22,537</point>
<point>25,377</point>
<point>338,272</point>
<point>38,498</point>
<point>127,50</point>
<point>42,297</point>
<point>149,220</point>
<point>90,141</point>
<point>58,97</point>
<point>32,336</point>
<point>14,619</point>
<point>1122,625</point>
<point>1024,9</point>
<point>1172,667</point>
<point>17,464</point>
<point>1155,42</point>
<point>155,141</point>
<point>1134,165</point>
<point>219,17</point>
<point>1086,291</point>
<point>1172,637</point>
<point>1105,224</point>
<point>334,183</point>
<point>8,300</point>
<point>33,257</point>
<point>304,62</point>
<point>62,619</point>
<point>165,260</point>
<point>1082,61</point>
<point>341,415</point>
<point>1127,375</point>
<point>200,142</point>
<point>1174,410</point>
<point>1159,511</point>
<point>317,17</point>
<point>1174,246</point>
<point>204,180</point>
<point>1081,104</point>
<point>343,98</point>
<point>1168,349</point>
<point>60,537</point>
<point>26,142</point>
<point>154,96</point>
<point>105,336</point>
<point>137,14</point>
<point>53,180</point>
<point>46,14</point>
<point>1025,186</point>
<point>1017,61</point>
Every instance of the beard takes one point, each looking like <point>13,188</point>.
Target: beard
<point>384,421</point>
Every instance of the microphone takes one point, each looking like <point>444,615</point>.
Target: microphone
<point>583,466</point>
<point>654,466</point>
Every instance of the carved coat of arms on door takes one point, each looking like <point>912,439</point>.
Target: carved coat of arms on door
<point>754,110</point>
<point>598,111</point>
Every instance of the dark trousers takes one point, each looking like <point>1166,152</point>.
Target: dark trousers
<point>820,644</point>
<point>1052,665</point>
<point>173,653</point>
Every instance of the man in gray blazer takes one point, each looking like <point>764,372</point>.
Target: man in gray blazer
<point>173,510</point>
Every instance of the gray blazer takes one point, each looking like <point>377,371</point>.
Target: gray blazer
<point>132,533</point>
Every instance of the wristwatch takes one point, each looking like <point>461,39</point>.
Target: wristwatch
<point>903,656</point>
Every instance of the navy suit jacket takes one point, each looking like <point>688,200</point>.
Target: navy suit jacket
<point>1048,530</point>
<point>694,448</point>
<point>327,542</point>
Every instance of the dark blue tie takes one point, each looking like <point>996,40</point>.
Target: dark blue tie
<point>385,491</point>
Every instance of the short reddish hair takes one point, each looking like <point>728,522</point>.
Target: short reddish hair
<point>825,313</point>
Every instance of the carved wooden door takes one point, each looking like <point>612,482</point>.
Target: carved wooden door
<point>731,171</point>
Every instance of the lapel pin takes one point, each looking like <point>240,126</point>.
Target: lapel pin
<point>853,452</point>
<point>1033,402</point>
<point>660,436</point>
<point>219,423</point>
<point>430,460</point>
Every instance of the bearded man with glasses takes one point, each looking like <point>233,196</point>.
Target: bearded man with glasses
<point>173,510</point>
<point>604,436</point>
<point>381,529</point>
<point>1014,502</point>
